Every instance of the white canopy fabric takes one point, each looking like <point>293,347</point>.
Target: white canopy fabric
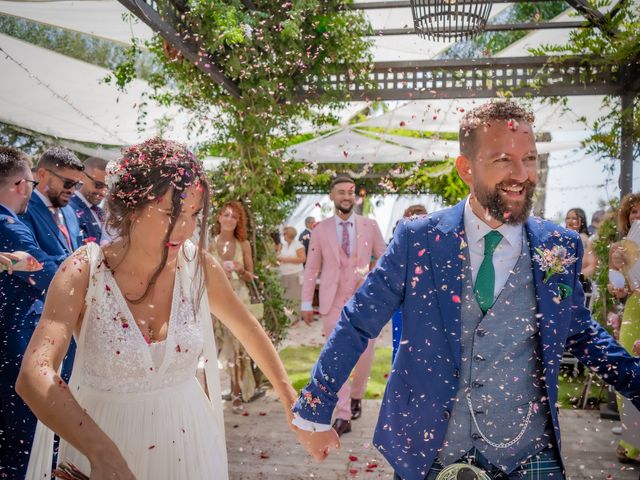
<point>100,18</point>
<point>62,97</point>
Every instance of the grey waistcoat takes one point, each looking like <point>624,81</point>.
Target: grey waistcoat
<point>501,370</point>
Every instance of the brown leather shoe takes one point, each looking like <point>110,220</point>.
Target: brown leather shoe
<point>342,426</point>
<point>356,408</point>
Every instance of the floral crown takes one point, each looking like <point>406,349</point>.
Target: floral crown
<point>130,179</point>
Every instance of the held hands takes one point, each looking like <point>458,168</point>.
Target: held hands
<point>318,444</point>
<point>636,348</point>
<point>110,465</point>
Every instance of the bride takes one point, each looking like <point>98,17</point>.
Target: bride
<point>139,309</point>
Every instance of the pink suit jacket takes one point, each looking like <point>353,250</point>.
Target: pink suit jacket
<point>323,258</point>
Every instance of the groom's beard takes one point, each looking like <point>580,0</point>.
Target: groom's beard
<point>500,209</point>
<point>343,209</point>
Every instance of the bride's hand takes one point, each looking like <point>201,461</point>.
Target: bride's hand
<point>111,466</point>
<point>111,472</point>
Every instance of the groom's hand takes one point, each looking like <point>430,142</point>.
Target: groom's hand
<point>318,444</point>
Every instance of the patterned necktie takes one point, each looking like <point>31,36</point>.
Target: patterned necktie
<point>486,278</point>
<point>59,219</point>
<point>345,238</point>
<point>99,213</point>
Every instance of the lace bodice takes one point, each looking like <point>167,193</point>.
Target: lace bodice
<point>116,357</point>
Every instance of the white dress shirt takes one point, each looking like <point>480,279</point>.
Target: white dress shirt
<point>54,210</point>
<point>506,253</point>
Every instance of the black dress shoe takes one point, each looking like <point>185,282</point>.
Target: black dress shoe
<point>356,409</point>
<point>342,426</point>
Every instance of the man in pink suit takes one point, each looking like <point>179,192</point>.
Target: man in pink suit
<point>342,250</point>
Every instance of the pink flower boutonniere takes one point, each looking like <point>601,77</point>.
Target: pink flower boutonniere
<point>553,261</point>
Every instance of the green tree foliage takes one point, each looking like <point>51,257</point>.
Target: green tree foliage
<point>281,56</point>
<point>607,235</point>
<point>617,43</point>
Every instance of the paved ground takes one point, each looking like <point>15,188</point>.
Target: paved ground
<point>261,447</point>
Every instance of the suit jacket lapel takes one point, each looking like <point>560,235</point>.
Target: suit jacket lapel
<point>546,293</point>
<point>447,250</point>
<point>47,219</point>
<point>73,236</point>
<point>334,246</point>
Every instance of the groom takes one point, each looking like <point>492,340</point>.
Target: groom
<point>490,299</point>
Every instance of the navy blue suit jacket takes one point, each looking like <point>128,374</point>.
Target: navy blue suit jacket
<point>51,240</point>
<point>21,300</point>
<point>90,227</point>
<point>40,220</point>
<point>420,273</point>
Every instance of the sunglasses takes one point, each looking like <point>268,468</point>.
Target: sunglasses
<point>96,183</point>
<point>34,183</point>
<point>67,183</point>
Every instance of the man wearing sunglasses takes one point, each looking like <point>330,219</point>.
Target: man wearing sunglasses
<point>21,300</point>
<point>87,200</point>
<point>52,220</point>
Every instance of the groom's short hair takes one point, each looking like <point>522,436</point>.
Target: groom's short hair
<point>340,178</point>
<point>485,114</point>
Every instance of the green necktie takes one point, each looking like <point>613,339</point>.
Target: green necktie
<point>486,278</point>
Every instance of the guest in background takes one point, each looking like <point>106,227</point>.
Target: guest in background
<point>596,220</point>
<point>291,258</point>
<point>21,300</point>
<point>629,335</point>
<point>231,248</point>
<point>87,201</point>
<point>576,220</point>
<point>277,243</point>
<point>50,217</point>
<point>305,236</point>
<point>413,211</point>
<point>341,252</point>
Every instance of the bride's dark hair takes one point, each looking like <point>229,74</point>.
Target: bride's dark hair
<point>144,174</point>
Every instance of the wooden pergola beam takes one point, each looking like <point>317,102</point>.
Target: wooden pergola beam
<point>486,77</point>
<point>181,42</point>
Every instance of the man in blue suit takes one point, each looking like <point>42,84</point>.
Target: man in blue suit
<point>86,202</point>
<point>490,299</point>
<point>21,300</point>
<point>50,217</point>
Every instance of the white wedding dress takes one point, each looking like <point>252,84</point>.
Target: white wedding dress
<point>146,397</point>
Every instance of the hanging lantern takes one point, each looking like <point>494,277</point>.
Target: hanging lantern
<point>450,19</point>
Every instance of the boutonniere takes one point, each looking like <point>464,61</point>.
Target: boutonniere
<point>553,261</point>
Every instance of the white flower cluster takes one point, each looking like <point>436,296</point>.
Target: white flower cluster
<point>112,174</point>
